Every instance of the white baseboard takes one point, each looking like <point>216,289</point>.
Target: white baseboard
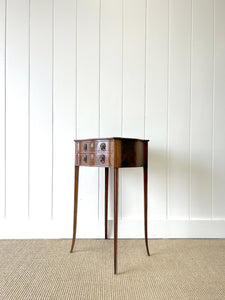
<point>174,229</point>
<point>126,229</point>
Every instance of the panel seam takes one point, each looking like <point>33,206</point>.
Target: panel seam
<point>99,93</point>
<point>122,103</point>
<point>145,70</point>
<point>5,204</point>
<point>190,111</point>
<point>76,114</point>
<point>213,113</point>
<point>29,114</point>
<point>53,45</point>
<point>99,68</point>
<point>168,91</point>
<point>122,90</point>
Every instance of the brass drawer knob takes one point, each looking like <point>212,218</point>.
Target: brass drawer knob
<point>103,146</point>
<point>85,158</point>
<point>102,158</point>
<point>85,147</point>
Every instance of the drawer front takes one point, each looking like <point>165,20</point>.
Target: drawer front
<point>85,147</point>
<point>95,159</point>
<point>93,146</point>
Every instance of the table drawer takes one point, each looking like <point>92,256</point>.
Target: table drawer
<point>95,159</point>
<point>93,146</point>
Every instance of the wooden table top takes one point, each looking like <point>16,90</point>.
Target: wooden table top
<point>111,138</point>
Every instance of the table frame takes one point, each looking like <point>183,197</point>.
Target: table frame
<point>124,153</point>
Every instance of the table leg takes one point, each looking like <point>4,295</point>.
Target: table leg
<point>146,206</point>
<point>116,175</point>
<point>106,200</point>
<point>75,206</point>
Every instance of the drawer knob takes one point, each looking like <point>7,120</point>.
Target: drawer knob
<point>102,158</point>
<point>85,158</point>
<point>103,146</point>
<point>85,147</point>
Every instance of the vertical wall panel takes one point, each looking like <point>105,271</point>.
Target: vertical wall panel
<point>88,68</point>
<point>219,112</point>
<point>179,109</point>
<point>111,68</point>
<point>201,109</point>
<point>96,68</point>
<point>156,106</point>
<point>64,110</point>
<point>133,100</point>
<point>41,109</point>
<point>88,98</point>
<point>2,108</point>
<point>17,41</point>
<point>111,83</point>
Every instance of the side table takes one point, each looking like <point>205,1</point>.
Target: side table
<point>114,153</point>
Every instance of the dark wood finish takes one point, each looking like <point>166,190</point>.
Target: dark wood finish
<point>118,152</point>
<point>94,159</point>
<point>87,146</point>
<point>129,153</point>
<point>146,195</point>
<point>116,179</point>
<point>106,200</point>
<point>114,153</point>
<point>75,206</point>
<point>146,207</point>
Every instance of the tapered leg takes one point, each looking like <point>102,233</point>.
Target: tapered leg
<point>116,175</point>
<point>75,206</point>
<point>146,206</point>
<point>106,200</point>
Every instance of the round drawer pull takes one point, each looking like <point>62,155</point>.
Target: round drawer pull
<point>85,158</point>
<point>85,147</point>
<point>103,146</point>
<point>102,158</point>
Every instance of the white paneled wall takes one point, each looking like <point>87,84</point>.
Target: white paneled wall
<point>41,104</point>
<point>179,99</point>
<point>100,68</point>
<point>2,108</point>
<point>201,110</point>
<point>157,104</point>
<point>17,94</point>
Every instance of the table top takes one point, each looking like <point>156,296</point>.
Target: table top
<point>111,138</point>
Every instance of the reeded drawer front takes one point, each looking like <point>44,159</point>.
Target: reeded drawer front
<point>93,146</point>
<point>95,159</point>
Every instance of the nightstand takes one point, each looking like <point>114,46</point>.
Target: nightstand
<point>114,153</point>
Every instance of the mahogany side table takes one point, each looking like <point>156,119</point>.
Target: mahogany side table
<point>114,153</point>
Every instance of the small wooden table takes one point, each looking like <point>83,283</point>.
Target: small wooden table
<point>114,153</point>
